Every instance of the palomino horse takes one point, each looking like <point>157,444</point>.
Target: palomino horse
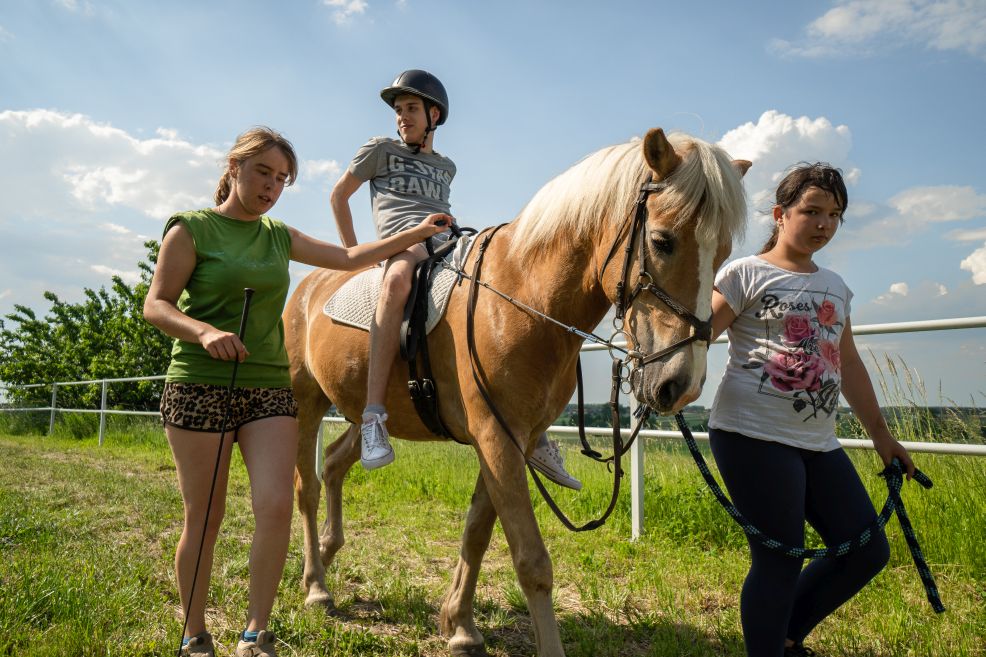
<point>558,257</point>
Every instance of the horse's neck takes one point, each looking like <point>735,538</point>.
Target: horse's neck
<point>561,281</point>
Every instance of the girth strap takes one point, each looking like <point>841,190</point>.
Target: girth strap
<point>414,342</point>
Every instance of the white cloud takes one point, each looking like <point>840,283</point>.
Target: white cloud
<point>777,141</point>
<point>5,35</point>
<point>80,198</point>
<point>863,208</point>
<point>896,291</point>
<point>942,203</point>
<point>966,235</point>
<point>899,288</point>
<point>83,7</point>
<point>926,299</point>
<point>976,263</point>
<point>86,165</point>
<point>116,228</point>
<point>129,277</point>
<point>912,212</point>
<point>346,9</point>
<point>320,169</point>
<point>861,26</point>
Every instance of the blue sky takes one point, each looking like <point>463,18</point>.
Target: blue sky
<point>114,114</point>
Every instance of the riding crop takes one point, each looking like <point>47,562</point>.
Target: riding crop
<point>247,295</point>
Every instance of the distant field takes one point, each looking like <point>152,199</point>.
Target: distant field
<point>87,536</point>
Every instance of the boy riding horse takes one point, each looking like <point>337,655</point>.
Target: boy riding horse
<point>409,181</point>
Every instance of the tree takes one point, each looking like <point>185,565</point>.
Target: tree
<point>103,336</point>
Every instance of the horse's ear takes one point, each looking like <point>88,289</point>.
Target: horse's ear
<point>659,154</point>
<point>742,166</point>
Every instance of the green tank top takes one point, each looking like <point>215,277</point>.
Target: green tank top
<point>231,255</point>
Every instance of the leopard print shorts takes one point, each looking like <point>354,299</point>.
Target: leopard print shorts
<point>200,406</point>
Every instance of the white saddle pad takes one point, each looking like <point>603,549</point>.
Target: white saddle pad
<point>355,303</point>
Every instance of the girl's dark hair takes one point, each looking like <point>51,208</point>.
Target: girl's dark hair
<point>253,141</point>
<point>802,176</point>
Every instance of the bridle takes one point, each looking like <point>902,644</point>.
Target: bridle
<point>645,283</point>
<point>635,232</point>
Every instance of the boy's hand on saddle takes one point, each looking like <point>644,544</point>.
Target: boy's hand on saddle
<point>223,345</point>
<point>436,223</point>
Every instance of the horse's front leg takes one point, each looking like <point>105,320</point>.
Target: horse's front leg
<point>457,619</point>
<point>503,467</point>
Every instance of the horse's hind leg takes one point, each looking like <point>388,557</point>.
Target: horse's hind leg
<point>457,619</point>
<point>339,458</point>
<point>312,405</point>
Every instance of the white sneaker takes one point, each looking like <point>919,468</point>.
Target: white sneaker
<point>547,460</point>
<point>376,451</point>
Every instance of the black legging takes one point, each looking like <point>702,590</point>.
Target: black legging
<point>777,487</point>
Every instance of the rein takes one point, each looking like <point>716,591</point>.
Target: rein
<point>894,477</point>
<point>703,331</point>
<point>482,384</point>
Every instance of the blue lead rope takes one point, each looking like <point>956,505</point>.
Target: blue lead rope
<point>894,476</point>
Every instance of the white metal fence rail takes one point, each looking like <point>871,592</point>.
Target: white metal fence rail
<point>102,410</point>
<point>636,452</point>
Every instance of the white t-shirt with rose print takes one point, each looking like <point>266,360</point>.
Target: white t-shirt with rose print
<point>783,377</point>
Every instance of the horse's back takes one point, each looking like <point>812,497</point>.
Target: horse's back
<point>315,343</point>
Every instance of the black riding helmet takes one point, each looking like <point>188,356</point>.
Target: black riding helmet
<point>419,83</point>
<point>425,86</point>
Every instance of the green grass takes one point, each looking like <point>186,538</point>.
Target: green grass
<point>87,537</point>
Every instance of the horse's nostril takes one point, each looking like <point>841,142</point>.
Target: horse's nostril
<point>668,393</point>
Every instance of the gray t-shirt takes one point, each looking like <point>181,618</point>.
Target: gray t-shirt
<point>404,187</point>
<point>784,375</point>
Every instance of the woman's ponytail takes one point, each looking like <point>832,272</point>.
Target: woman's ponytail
<point>224,187</point>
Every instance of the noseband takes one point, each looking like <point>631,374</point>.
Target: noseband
<point>645,283</point>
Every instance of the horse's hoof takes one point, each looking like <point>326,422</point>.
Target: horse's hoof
<point>470,651</point>
<point>323,600</point>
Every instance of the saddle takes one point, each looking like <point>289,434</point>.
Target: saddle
<point>414,329</point>
<point>355,302</point>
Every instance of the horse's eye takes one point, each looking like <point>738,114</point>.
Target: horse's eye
<point>663,242</point>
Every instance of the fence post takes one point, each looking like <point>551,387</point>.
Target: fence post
<point>102,414</point>
<point>54,402</point>
<point>319,456</point>
<point>636,479</point>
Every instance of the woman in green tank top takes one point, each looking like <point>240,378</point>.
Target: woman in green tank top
<point>207,258</point>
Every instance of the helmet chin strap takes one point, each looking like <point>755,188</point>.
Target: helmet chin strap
<point>416,148</point>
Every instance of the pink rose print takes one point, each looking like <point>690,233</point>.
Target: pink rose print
<point>831,356</point>
<point>797,328</point>
<point>797,371</point>
<point>826,313</point>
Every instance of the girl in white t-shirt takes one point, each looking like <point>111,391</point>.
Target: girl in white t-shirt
<point>772,428</point>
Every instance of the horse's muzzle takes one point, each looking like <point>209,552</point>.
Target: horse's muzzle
<point>666,387</point>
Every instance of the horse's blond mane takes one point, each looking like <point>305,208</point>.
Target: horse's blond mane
<point>603,187</point>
